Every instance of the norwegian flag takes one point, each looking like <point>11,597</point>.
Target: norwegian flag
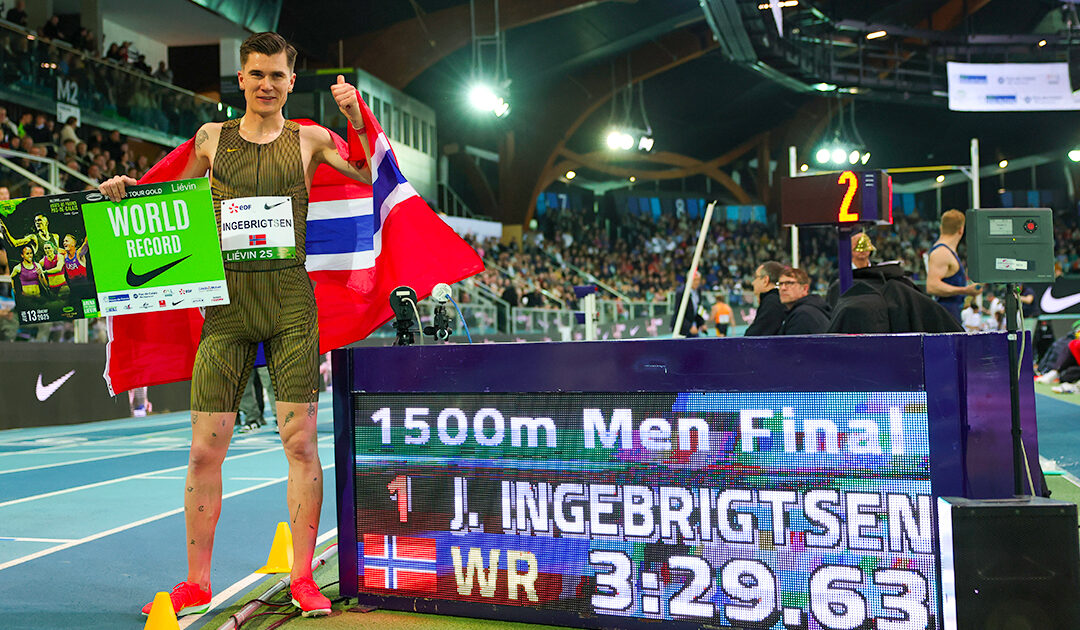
<point>399,562</point>
<point>362,242</point>
<point>256,239</point>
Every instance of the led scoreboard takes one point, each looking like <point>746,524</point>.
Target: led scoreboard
<point>791,506</point>
<point>837,199</point>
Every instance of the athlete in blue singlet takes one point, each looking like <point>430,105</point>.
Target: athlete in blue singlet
<point>946,279</point>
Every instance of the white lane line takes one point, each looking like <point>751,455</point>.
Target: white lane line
<point>242,584</point>
<point>128,438</point>
<point>149,519</point>
<point>249,478</point>
<point>142,475</point>
<point>91,459</point>
<point>43,540</point>
<point>18,437</point>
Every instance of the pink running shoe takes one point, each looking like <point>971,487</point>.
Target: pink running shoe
<point>307,597</point>
<point>187,599</point>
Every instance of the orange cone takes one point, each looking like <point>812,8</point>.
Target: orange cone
<point>281,553</point>
<point>162,616</point>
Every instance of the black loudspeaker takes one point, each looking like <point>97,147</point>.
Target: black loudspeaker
<point>1009,564</point>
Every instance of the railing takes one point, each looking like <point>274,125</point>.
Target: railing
<point>585,275</point>
<point>452,204</point>
<point>487,294</point>
<point>614,310</point>
<point>35,72</point>
<point>49,180</point>
<point>546,320</point>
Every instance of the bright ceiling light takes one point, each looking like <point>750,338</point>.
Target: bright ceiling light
<point>824,87</point>
<point>838,156</point>
<point>1074,155</point>
<point>614,139</point>
<point>626,141</point>
<point>876,35</point>
<point>501,108</point>
<point>822,155</point>
<point>570,174</point>
<point>939,178</point>
<point>853,157</point>
<point>803,168</point>
<point>865,157</point>
<point>1003,163</point>
<point>632,179</point>
<point>645,144</point>
<point>1042,42</point>
<point>482,98</point>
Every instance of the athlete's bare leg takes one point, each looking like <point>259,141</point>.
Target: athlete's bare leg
<point>210,435</point>
<point>296,425</point>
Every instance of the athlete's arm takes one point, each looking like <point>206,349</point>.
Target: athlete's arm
<point>938,269</point>
<point>18,242</point>
<point>324,149</point>
<point>199,162</point>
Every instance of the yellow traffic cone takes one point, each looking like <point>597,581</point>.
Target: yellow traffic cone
<point>162,616</point>
<point>281,553</point>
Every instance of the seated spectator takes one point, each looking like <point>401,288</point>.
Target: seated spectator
<point>8,128</point>
<point>770,312</point>
<point>113,53</point>
<point>17,14</point>
<point>163,73</point>
<point>40,131</point>
<point>1066,364</point>
<point>66,150</point>
<point>5,194</point>
<point>26,121</point>
<point>37,191</point>
<point>861,248</point>
<point>51,29</point>
<point>67,132</point>
<point>972,317</point>
<point>87,42</point>
<point>140,65</point>
<point>807,313</point>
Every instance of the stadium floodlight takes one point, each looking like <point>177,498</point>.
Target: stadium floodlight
<point>482,97</point>
<point>876,35</point>
<point>803,168</point>
<point>865,157</point>
<point>853,157</point>
<point>939,179</point>
<point>822,155</point>
<point>570,174</point>
<point>645,144</point>
<point>1002,164</point>
<point>632,179</point>
<point>838,155</point>
<point>1074,155</point>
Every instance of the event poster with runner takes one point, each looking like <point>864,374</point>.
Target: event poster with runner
<point>49,259</point>
<point>158,249</point>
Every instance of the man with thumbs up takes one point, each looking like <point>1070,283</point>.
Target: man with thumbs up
<point>265,162</point>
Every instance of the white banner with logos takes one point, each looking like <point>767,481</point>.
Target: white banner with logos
<point>482,229</point>
<point>1010,87</point>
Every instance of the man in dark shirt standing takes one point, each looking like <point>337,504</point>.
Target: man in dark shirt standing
<point>770,312</point>
<point>17,15</point>
<point>807,314</point>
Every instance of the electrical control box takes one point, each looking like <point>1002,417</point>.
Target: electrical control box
<point>1010,245</point>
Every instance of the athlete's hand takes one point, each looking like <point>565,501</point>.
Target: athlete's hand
<point>973,289</point>
<point>345,95</point>
<point>115,187</point>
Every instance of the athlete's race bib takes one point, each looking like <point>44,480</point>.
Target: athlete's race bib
<point>257,228</point>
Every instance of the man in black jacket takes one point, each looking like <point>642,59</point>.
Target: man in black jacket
<point>884,300</point>
<point>770,312</point>
<point>807,314</point>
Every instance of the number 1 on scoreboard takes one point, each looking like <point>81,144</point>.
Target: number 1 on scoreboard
<point>401,490</point>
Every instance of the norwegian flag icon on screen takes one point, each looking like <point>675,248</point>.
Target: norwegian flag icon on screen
<point>399,562</point>
<point>256,239</point>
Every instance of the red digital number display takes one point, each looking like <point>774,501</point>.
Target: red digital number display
<point>832,199</point>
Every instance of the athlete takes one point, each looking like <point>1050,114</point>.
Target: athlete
<point>27,276</point>
<point>75,263</point>
<point>52,266</point>
<point>38,238</point>
<point>945,277</point>
<point>258,155</point>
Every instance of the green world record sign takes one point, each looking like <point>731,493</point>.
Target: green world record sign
<point>157,249</point>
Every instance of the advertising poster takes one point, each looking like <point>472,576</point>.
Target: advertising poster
<point>49,257</point>
<point>157,249</point>
<point>1010,87</point>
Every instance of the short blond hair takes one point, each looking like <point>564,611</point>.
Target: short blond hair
<point>952,221</point>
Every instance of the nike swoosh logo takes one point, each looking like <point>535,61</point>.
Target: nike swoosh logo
<point>231,150</point>
<point>268,206</point>
<point>44,391</point>
<point>139,279</point>
<point>1050,304</point>
<point>176,302</point>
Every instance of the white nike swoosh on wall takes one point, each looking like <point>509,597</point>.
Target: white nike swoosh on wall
<point>44,391</point>
<point>1051,304</point>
